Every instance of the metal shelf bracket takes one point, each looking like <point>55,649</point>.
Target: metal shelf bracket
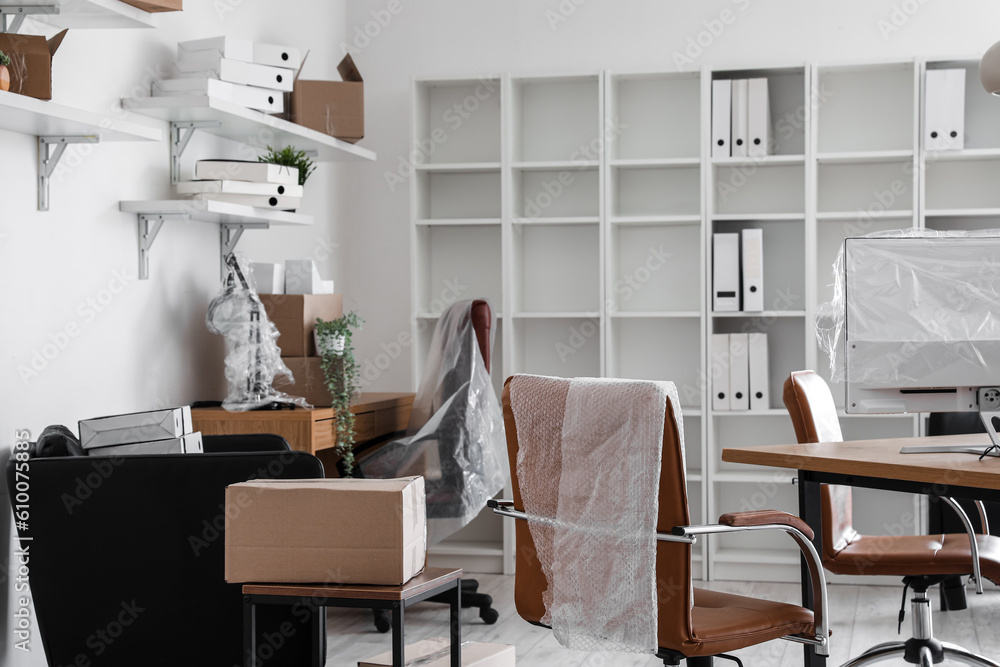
<point>230,233</point>
<point>17,14</point>
<point>180,134</point>
<point>47,162</point>
<point>149,227</point>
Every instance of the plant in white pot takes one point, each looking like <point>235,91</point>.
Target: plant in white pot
<point>343,379</point>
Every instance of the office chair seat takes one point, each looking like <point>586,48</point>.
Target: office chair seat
<point>914,555</point>
<point>724,622</point>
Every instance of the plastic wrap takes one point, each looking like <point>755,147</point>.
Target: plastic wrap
<point>594,527</point>
<point>253,358</point>
<point>915,308</point>
<point>455,437</point>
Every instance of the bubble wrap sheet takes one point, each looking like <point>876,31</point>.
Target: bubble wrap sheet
<point>594,527</point>
<point>916,307</point>
<point>455,437</point>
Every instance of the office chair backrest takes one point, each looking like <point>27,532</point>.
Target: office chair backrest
<point>673,559</point>
<point>814,416</point>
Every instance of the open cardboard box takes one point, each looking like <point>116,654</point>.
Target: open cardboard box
<point>336,108</point>
<point>31,63</point>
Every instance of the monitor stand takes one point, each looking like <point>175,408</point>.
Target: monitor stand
<point>989,413</point>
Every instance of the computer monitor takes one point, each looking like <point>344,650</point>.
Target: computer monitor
<point>922,324</point>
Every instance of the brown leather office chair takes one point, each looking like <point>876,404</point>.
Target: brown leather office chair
<point>922,560</point>
<point>693,624</point>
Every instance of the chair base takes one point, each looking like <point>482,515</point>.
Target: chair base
<point>923,652</point>
<point>673,659</point>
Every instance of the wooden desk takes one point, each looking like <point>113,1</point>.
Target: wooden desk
<point>375,414</point>
<point>875,464</point>
<point>310,597</point>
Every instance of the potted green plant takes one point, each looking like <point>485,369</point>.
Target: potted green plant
<point>4,72</point>
<point>289,156</point>
<point>343,379</point>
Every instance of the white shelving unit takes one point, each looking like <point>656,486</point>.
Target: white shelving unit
<point>78,14</point>
<point>586,204</point>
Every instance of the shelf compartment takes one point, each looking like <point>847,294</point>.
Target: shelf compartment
<point>743,429</point>
<point>869,187</point>
<point>26,115</point>
<point>649,191</point>
<point>786,349</point>
<point>981,128</point>
<point>648,264</point>
<point>748,190</point>
<point>79,14</point>
<point>556,268</point>
<point>457,262</point>
<point>646,349</point>
<point>566,193</point>
<point>458,121</point>
<point>458,195</point>
<point>846,97</point>
<point>658,113</point>
<point>784,262</point>
<point>561,347</point>
<point>247,126</point>
<point>556,118</point>
<point>962,185</point>
<point>786,91</point>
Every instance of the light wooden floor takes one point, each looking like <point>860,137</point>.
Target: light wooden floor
<point>862,616</point>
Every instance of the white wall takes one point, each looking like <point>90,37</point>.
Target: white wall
<point>144,343</point>
<point>475,37</point>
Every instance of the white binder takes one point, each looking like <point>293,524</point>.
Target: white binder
<point>719,372</point>
<point>722,95</point>
<point>955,109</point>
<point>757,347</point>
<point>725,272</point>
<point>739,372</point>
<point>211,63</point>
<point>740,127</point>
<point>758,118</point>
<point>753,270</point>
<point>944,109</point>
<point>247,51</point>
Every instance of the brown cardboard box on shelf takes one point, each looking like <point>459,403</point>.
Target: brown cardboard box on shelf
<point>336,531</point>
<point>309,383</point>
<point>157,5</point>
<point>30,63</point>
<point>295,316</point>
<point>437,653</point>
<point>336,108</point>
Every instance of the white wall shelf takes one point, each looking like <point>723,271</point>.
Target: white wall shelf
<point>460,167</point>
<point>638,314</point>
<point>439,222</point>
<point>754,217</point>
<point>655,220</point>
<point>79,14</point>
<point>564,220</point>
<point>248,126</point>
<point>861,157</point>
<point>764,160</point>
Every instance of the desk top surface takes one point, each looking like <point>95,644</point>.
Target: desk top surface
<point>431,577</point>
<point>369,401</point>
<point>881,458</point>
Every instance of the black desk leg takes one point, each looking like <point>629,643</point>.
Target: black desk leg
<point>318,623</point>
<point>810,511</point>
<point>398,645</point>
<point>456,626</point>
<point>249,632</point>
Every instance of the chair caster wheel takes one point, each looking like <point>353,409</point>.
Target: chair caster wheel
<point>383,624</point>
<point>489,615</point>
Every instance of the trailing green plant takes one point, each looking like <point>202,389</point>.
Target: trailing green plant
<point>289,156</point>
<point>343,379</point>
<point>4,59</point>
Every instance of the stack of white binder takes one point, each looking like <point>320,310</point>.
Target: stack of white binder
<point>167,431</point>
<point>250,74</point>
<point>741,118</point>
<point>258,184</point>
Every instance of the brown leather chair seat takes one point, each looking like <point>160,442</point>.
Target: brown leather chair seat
<point>916,555</point>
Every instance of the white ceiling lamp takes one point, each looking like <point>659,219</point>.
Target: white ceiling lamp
<point>989,69</point>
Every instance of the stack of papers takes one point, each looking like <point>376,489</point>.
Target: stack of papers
<point>258,184</point>
<point>250,74</point>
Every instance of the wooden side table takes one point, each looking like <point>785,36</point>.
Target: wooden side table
<point>375,414</point>
<point>310,597</point>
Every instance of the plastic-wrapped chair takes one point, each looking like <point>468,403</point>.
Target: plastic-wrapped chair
<point>455,435</point>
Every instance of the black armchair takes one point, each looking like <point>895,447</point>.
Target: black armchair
<point>127,557</point>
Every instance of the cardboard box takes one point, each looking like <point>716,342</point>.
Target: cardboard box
<point>135,427</point>
<point>190,443</point>
<point>295,316</point>
<point>336,108</point>
<point>309,383</point>
<point>157,5</point>
<point>337,531</point>
<point>436,652</point>
<point>31,63</point>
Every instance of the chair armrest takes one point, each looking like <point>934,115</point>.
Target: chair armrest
<point>762,517</point>
<point>973,540</point>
